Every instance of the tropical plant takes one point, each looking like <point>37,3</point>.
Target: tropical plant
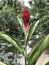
<point>36,52</point>
<point>40,10</point>
<point>41,46</point>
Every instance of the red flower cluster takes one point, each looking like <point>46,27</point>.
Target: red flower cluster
<point>25,17</point>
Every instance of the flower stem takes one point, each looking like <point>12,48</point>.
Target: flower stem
<point>25,49</point>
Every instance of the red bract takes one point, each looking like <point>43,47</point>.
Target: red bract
<point>25,17</point>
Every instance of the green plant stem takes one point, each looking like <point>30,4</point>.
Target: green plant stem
<point>25,51</point>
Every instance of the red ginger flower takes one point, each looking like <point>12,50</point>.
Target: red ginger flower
<point>25,17</point>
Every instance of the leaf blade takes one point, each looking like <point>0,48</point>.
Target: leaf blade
<point>21,23</point>
<point>13,41</point>
<point>31,30</point>
<point>38,50</point>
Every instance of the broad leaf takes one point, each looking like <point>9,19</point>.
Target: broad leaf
<point>1,63</point>
<point>31,30</point>
<point>38,50</point>
<point>13,41</point>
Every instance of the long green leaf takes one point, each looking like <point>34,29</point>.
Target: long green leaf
<point>38,50</point>
<point>1,63</point>
<point>31,30</point>
<point>21,23</point>
<point>13,41</point>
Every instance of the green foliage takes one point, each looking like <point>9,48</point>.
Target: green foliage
<point>31,30</point>
<point>9,19</point>
<point>1,63</point>
<point>13,41</point>
<point>20,22</point>
<point>40,11</point>
<point>47,63</point>
<point>38,50</point>
<point>10,25</point>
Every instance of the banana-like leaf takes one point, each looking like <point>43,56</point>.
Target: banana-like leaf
<point>31,30</point>
<point>1,63</point>
<point>38,50</point>
<point>13,41</point>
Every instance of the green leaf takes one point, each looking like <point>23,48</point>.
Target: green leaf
<point>1,63</point>
<point>20,22</point>
<point>38,50</point>
<point>13,41</point>
<point>47,63</point>
<point>31,30</point>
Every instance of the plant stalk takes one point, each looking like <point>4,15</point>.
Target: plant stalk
<point>25,50</point>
